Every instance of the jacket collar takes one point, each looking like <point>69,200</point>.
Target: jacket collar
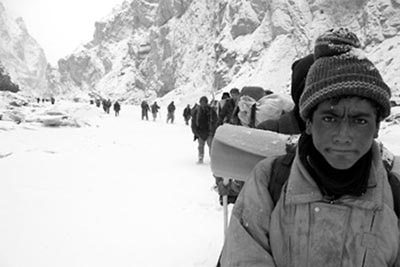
<point>301,188</point>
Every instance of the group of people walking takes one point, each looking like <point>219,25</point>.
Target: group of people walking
<point>154,108</point>
<point>107,104</point>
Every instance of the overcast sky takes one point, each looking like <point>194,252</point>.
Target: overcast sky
<point>60,26</point>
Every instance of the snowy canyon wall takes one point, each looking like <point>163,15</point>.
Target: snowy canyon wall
<point>148,48</point>
<point>21,55</point>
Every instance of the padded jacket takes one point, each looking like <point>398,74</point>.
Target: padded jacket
<point>305,229</point>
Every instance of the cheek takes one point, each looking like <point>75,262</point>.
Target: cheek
<point>321,138</point>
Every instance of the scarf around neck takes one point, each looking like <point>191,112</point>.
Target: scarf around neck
<point>332,182</point>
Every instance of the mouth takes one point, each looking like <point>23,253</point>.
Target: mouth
<point>341,151</point>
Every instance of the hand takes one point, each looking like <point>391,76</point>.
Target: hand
<point>223,190</point>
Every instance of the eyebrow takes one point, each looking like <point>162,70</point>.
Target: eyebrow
<point>355,114</point>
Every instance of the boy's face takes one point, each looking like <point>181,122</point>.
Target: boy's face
<point>343,131</point>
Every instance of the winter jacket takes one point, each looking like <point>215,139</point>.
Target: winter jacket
<point>187,113</point>
<point>304,229</point>
<point>117,106</point>
<point>145,107</point>
<point>225,115</point>
<point>154,108</point>
<point>204,122</point>
<point>171,108</point>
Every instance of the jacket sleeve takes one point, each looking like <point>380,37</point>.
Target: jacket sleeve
<point>193,124</point>
<point>213,122</point>
<point>223,114</point>
<point>247,243</point>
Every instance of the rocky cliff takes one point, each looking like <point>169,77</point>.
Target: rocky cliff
<point>148,48</point>
<point>21,55</point>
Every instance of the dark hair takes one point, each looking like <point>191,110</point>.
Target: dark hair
<point>203,99</point>
<point>225,95</point>
<point>234,91</point>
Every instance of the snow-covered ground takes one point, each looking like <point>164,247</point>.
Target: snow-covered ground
<point>124,192</point>
<point>118,191</point>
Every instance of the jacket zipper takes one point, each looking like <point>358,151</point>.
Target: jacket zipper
<point>366,249</point>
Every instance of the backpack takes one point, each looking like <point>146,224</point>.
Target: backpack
<point>281,170</point>
<point>252,111</point>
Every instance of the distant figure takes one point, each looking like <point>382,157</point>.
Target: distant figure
<point>108,106</point>
<point>171,112</point>
<point>117,108</point>
<point>221,103</point>
<point>98,103</point>
<point>204,124</point>
<point>38,100</point>
<point>187,114</point>
<point>104,104</point>
<point>214,105</point>
<point>145,110</point>
<point>154,110</point>
<point>43,100</point>
<point>226,114</point>
<point>52,100</point>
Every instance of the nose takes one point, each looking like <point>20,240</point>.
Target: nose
<point>343,133</point>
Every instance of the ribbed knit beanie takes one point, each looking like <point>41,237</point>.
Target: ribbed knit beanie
<point>341,69</point>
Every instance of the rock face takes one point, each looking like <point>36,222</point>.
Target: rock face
<point>148,48</point>
<point>21,55</point>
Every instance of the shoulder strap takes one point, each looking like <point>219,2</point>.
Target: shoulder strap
<point>253,110</point>
<point>394,181</point>
<point>280,171</point>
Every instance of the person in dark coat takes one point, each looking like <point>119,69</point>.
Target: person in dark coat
<point>109,104</point>
<point>117,108</point>
<point>204,124</point>
<point>145,110</point>
<point>171,112</point>
<point>104,104</point>
<point>226,114</point>
<point>221,103</point>
<point>154,110</point>
<point>290,122</point>
<point>187,114</point>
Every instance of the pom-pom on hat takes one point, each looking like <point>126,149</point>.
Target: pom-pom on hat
<point>341,69</point>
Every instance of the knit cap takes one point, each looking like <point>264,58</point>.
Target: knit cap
<point>341,69</point>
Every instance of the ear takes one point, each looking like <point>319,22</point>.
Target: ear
<point>308,127</point>
<point>376,134</point>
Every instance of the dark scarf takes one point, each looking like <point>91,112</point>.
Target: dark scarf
<point>332,182</point>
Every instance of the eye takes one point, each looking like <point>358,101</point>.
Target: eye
<point>329,119</point>
<point>360,121</point>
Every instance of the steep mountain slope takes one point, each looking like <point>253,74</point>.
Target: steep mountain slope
<point>148,48</point>
<point>21,55</point>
